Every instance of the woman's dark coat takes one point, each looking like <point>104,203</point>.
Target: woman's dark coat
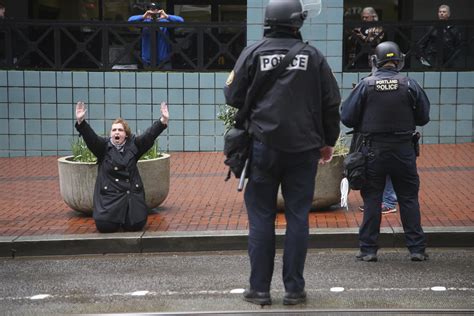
<point>119,187</point>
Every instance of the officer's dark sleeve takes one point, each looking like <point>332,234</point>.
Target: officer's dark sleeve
<point>422,104</point>
<point>146,140</point>
<point>95,143</point>
<point>331,99</point>
<point>236,86</point>
<point>351,110</point>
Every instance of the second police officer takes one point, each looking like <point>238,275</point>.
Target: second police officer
<point>294,124</point>
<point>386,107</point>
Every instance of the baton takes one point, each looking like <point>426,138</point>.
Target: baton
<point>242,176</point>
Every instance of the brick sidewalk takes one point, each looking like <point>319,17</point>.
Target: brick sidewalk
<point>199,199</point>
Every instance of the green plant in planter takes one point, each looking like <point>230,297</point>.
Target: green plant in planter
<point>82,153</point>
<point>227,113</point>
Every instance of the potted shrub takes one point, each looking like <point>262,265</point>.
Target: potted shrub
<point>77,175</point>
<point>329,176</point>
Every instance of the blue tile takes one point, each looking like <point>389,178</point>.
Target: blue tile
<point>191,96</point>
<point>175,80</point>
<point>219,143</point>
<point>15,78</point>
<point>16,95</point>
<point>447,128</point>
<point>64,95</point>
<point>4,128</point>
<point>176,111</point>
<point>144,80</point>
<point>64,143</point>
<point>160,95</point>
<point>65,111</point>
<point>431,129</point>
<point>207,143</point>
<point>17,142</point>
<point>48,110</point>
<point>220,79</point>
<point>207,112</point>
<point>33,142</point>
<point>191,128</point>
<point>34,127</point>
<point>96,95</point>
<point>50,127</point>
<point>112,111</point>
<point>175,143</point>
<point>49,142</point>
<point>334,15</point>
<point>32,78</point>
<point>48,79</point>
<point>144,112</point>
<point>464,139</point>
<point>191,143</point>
<point>80,94</point>
<point>64,79</point>
<point>100,128</point>
<point>80,79</point>
<point>433,95</point>
<point>464,128</point>
<point>465,96</point>
<point>434,112</point>
<point>96,111</point>
<point>419,77</point>
<point>449,79</point>
<point>159,80</point>
<point>65,127</point>
<point>464,112</point>
<point>219,96</point>
<point>335,63</point>
<point>3,78</point>
<point>48,95</point>
<point>335,4</point>
<point>432,80</point>
<point>466,79</point>
<point>16,110</point>
<point>3,110</point>
<point>254,15</point>
<point>206,80</point>
<point>127,80</point>
<point>127,96</point>
<point>334,32</point>
<point>112,95</point>
<point>32,110</point>
<point>191,80</point>
<point>447,112</point>
<point>206,128</point>
<point>3,94</point>
<point>334,48</point>
<point>348,79</point>
<point>254,32</point>
<point>144,96</point>
<point>175,96</point>
<point>4,140</point>
<point>447,140</point>
<point>16,126</point>
<point>142,126</point>
<point>96,79</point>
<point>448,96</point>
<point>176,127</point>
<point>129,112</point>
<point>191,112</point>
<point>206,96</point>
<point>112,80</point>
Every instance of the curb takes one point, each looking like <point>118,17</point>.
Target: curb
<point>149,242</point>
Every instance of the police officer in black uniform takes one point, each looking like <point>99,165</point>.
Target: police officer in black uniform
<point>386,107</point>
<point>294,125</point>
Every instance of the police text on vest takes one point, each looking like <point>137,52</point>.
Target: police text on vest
<point>269,62</point>
<point>386,85</point>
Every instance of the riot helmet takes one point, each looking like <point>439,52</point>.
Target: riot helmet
<point>385,52</point>
<point>286,13</point>
<point>154,6</point>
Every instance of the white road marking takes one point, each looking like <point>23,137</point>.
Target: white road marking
<point>39,296</point>
<point>237,291</point>
<point>337,289</point>
<point>438,288</point>
<point>139,293</point>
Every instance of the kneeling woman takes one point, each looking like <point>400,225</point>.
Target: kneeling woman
<point>119,197</point>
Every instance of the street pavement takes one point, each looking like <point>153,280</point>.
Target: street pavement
<point>211,282</point>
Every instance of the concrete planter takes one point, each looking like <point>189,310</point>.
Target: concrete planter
<point>328,180</point>
<point>77,180</point>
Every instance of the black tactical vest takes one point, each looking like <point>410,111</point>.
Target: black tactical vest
<point>389,105</point>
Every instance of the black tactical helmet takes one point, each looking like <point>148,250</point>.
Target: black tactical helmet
<point>288,13</point>
<point>387,51</point>
<point>154,6</point>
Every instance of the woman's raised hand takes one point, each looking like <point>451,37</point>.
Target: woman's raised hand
<point>165,115</point>
<point>80,111</point>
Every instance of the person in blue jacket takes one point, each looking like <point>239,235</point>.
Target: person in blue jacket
<point>156,14</point>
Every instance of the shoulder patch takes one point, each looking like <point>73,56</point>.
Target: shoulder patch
<point>386,85</point>
<point>229,80</point>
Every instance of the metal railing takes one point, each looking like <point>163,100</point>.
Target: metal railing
<point>60,45</point>
<point>428,45</point>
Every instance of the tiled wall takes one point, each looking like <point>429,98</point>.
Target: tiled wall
<point>37,108</point>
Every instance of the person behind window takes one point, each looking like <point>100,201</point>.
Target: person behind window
<point>156,14</point>
<point>2,11</point>
<point>364,39</point>
<point>450,37</point>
